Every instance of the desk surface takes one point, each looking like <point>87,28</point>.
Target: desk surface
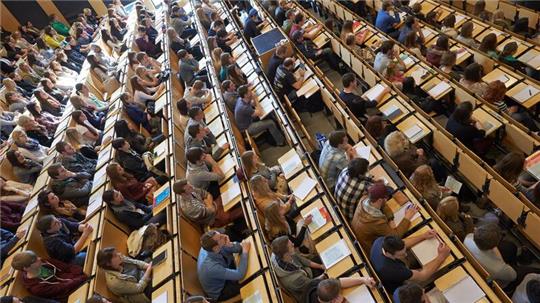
<point>164,270</point>
<point>489,123</point>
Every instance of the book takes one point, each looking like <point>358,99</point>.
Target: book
<point>335,253</point>
<point>230,194</point>
<point>426,250</point>
<point>304,188</point>
<point>413,131</point>
<point>437,91</point>
<point>453,184</point>
<point>400,213</point>
<point>162,196</point>
<point>291,164</point>
<point>320,217</point>
<point>373,92</point>
<point>392,111</point>
<point>526,93</point>
<point>464,291</point>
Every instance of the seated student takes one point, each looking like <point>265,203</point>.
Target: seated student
<point>289,20</point>
<point>486,244</point>
<point>129,186</point>
<point>410,293</point>
<point>372,219</point>
<point>127,278</point>
<point>278,221</point>
<point>29,147</point>
<point>224,40</point>
<point>134,215</point>
<point>198,95</point>
<point>196,117</point>
<point>388,252</point>
<point>472,79</point>
<point>424,181</point>
<point>387,23</point>
<point>203,171</point>
<point>279,55</point>
<point>34,130</point>
<point>253,26</point>
<point>388,63</point>
<point>528,291</point>
<point>479,10</point>
<point>335,156</point>
<point>61,240</point>
<point>89,134</point>
<point>410,25</point>
<point>264,196</point>
<point>247,114</point>
<point>469,131</point>
<point>136,164</point>
<point>448,63</point>
<point>435,52</point>
<point>489,46</point>
<point>499,19</point>
<point>356,103</point>
<point>58,26</point>
<point>199,206</point>
<point>422,99</point>
<point>235,74</point>
<point>510,167</point>
<point>461,224</point>
<point>26,170</point>
<point>310,51</point>
<point>295,272</point>
<point>495,94</point>
<point>254,166</point>
<point>48,278</point>
<point>196,138</point>
<point>93,115</point>
<point>146,45</point>
<point>465,35</point>
<point>329,290</point>
<point>42,117</point>
<point>180,25</point>
<point>16,102</point>
<point>138,142</point>
<point>507,56</point>
<point>49,203</point>
<point>74,160</point>
<point>68,185</point>
<point>352,183</point>
<point>216,268</point>
<point>139,114</point>
<point>188,68</point>
<point>403,153</point>
<point>8,241</point>
<point>448,26</point>
<point>230,94</point>
<point>309,32</point>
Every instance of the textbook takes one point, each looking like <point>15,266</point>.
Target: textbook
<point>413,131</point>
<point>438,90</point>
<point>335,253</point>
<point>290,163</point>
<point>464,291</point>
<point>320,217</point>
<point>392,112</point>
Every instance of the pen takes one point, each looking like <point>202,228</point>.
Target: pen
<point>530,93</point>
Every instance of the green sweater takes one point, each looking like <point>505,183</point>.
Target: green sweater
<point>60,27</point>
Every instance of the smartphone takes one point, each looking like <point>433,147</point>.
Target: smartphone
<point>159,258</point>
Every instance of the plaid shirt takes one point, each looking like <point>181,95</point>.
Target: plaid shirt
<point>349,191</point>
<point>331,162</point>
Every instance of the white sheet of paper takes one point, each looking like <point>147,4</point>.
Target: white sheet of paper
<point>360,294</point>
<point>413,131</point>
<point>318,220</point>
<point>426,32</point>
<point>363,151</point>
<point>231,193</point>
<point>227,163</point>
<point>459,18</point>
<point>453,184</point>
<point>436,296</point>
<point>254,298</point>
<point>304,188</point>
<point>290,166</point>
<point>335,253</point>
<point>438,89</point>
<point>526,93</point>
<point>391,111</point>
<point>374,92</point>
<point>464,291</point>
<point>426,250</point>
<point>400,214</point>
<point>161,298</point>
<point>534,62</point>
<point>418,74</point>
<point>502,78</point>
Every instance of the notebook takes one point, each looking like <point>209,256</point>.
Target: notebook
<point>438,89</point>
<point>320,217</point>
<point>291,165</point>
<point>400,213</point>
<point>335,253</point>
<point>413,131</point>
<point>230,194</point>
<point>426,250</point>
<point>374,92</point>
<point>464,291</point>
<point>363,152</point>
<point>453,184</point>
<point>526,93</point>
<point>304,188</point>
<point>392,112</point>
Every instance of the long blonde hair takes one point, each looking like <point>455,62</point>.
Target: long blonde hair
<point>423,179</point>
<point>396,143</point>
<point>448,209</point>
<point>274,222</point>
<point>247,162</point>
<point>261,189</point>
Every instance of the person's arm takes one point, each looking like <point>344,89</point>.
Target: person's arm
<point>86,232</point>
<point>215,167</point>
<point>9,240</point>
<point>348,282</point>
<point>74,191</point>
<point>240,271</point>
<point>131,288</point>
<point>208,201</point>
<point>429,269</point>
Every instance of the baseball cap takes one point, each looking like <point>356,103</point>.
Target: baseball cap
<point>377,191</point>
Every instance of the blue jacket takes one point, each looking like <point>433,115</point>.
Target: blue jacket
<point>60,246</point>
<point>7,242</point>
<point>385,22</point>
<point>215,268</point>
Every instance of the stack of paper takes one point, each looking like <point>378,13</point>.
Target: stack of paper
<point>400,213</point>
<point>304,188</point>
<point>453,184</point>
<point>426,251</point>
<point>374,92</point>
<point>335,253</point>
<point>464,291</point>
<point>437,91</point>
<point>526,93</point>
<point>230,194</point>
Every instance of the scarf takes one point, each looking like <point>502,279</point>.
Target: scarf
<point>372,211</point>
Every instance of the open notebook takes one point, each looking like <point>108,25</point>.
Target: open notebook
<point>464,291</point>
<point>335,253</point>
<point>320,217</point>
<point>526,93</point>
<point>374,92</point>
<point>400,213</point>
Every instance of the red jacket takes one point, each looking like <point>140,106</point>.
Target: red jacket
<point>67,279</point>
<point>132,190</point>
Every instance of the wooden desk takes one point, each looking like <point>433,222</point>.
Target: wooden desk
<point>227,188</point>
<point>211,112</point>
<point>429,34</point>
<point>80,295</point>
<point>345,264</point>
<point>489,123</point>
<point>522,46</point>
<point>95,222</point>
<point>500,35</point>
<point>420,73</point>
<point>163,271</point>
<point>104,156</point>
<point>31,208</point>
<point>378,172</point>
<point>168,292</point>
<point>529,103</point>
<point>228,165</point>
<point>160,151</point>
<point>163,204</point>
<point>462,53</point>
<point>424,229</point>
<point>257,287</point>
<point>360,293</point>
<point>255,251</point>
<point>531,58</point>
<point>374,155</point>
<point>394,206</point>
<point>478,27</point>
<point>451,278</point>
<point>410,122</point>
<point>41,182</point>
<point>502,74</point>
<point>434,82</point>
